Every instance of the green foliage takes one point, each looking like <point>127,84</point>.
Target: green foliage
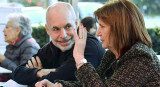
<point>148,7</point>
<point>40,35</point>
<point>155,36</point>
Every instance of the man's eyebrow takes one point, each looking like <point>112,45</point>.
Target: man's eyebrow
<point>55,27</point>
<point>68,24</point>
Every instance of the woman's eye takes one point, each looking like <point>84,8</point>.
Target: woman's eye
<point>6,27</point>
<point>101,26</point>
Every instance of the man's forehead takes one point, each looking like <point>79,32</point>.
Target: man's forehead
<point>60,18</point>
<point>60,10</point>
<point>60,14</point>
<point>61,22</point>
<point>59,7</point>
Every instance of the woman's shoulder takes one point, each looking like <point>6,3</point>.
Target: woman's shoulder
<point>141,48</point>
<point>139,51</point>
<point>30,42</point>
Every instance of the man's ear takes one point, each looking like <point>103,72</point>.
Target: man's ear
<point>76,22</point>
<point>46,29</point>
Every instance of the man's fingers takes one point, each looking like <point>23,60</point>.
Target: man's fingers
<point>53,70</point>
<point>39,62</point>
<point>43,83</point>
<point>30,64</point>
<point>27,66</point>
<point>37,84</point>
<point>34,62</point>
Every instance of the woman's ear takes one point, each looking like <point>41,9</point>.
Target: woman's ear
<point>18,30</point>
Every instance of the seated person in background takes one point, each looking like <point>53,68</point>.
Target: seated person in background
<point>21,46</point>
<point>90,24</point>
<point>55,60</point>
<point>130,60</point>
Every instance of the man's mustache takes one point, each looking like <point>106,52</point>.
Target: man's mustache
<point>65,39</point>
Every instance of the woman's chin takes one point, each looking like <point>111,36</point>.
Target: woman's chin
<point>9,42</point>
<point>6,41</point>
<point>104,46</point>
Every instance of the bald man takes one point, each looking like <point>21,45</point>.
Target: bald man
<point>55,60</point>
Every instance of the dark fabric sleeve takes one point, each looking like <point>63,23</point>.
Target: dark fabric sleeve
<point>64,72</point>
<point>106,61</point>
<point>93,54</point>
<point>88,76</point>
<point>69,83</point>
<point>67,69</point>
<point>24,75</point>
<point>125,76</point>
<point>29,75</point>
<point>84,78</point>
<point>100,69</point>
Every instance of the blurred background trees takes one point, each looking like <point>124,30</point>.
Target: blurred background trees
<point>148,7</point>
<point>29,3</point>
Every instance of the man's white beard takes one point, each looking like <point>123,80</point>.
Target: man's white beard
<point>64,48</point>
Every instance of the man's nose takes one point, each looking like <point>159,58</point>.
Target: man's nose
<point>63,33</point>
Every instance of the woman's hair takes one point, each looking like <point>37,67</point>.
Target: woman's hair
<point>88,22</point>
<point>127,24</point>
<point>22,22</point>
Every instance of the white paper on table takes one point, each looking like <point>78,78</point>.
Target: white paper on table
<point>2,84</point>
<point>12,83</point>
<point>4,70</point>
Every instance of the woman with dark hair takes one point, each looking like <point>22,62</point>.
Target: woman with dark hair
<point>130,60</point>
<point>90,24</point>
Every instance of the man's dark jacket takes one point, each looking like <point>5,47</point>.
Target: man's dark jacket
<point>51,57</point>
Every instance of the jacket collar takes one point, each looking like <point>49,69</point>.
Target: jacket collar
<point>22,40</point>
<point>137,50</point>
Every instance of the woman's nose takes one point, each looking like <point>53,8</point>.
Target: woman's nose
<point>4,29</point>
<point>98,32</point>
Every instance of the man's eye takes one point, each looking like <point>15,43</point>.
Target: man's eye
<point>68,27</point>
<point>55,29</point>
